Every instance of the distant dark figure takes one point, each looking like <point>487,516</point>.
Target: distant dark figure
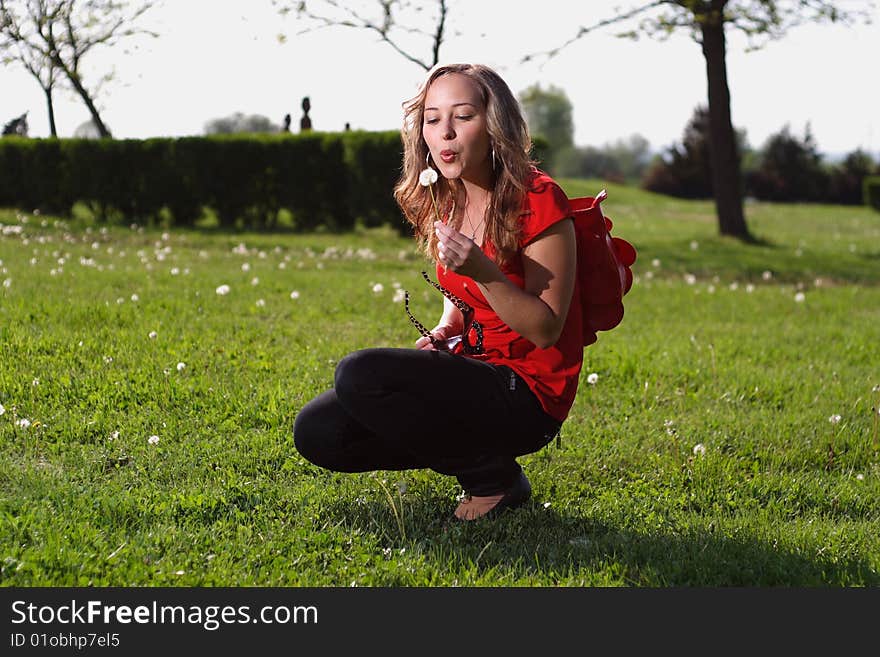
<point>286,126</point>
<point>17,126</point>
<point>347,126</point>
<point>305,123</point>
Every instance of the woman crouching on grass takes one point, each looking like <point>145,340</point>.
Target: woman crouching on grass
<point>497,375</point>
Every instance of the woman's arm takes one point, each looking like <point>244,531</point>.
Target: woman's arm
<point>538,311</point>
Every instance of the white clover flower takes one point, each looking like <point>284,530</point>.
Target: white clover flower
<point>834,419</point>
<point>294,294</point>
<point>699,449</point>
<point>153,440</point>
<point>427,177</point>
<point>592,378</point>
<point>377,288</point>
<point>799,297</point>
<point>181,366</point>
<point>222,290</point>
<point>153,335</point>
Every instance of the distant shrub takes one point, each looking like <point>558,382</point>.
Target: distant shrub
<point>871,191</point>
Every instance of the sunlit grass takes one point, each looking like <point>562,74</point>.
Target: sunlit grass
<point>704,454</point>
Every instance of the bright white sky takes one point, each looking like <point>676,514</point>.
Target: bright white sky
<point>217,57</point>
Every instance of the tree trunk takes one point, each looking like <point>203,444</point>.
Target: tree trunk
<point>724,158</point>
<point>51,106</point>
<point>87,99</point>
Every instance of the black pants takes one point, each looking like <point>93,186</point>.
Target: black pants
<point>397,409</point>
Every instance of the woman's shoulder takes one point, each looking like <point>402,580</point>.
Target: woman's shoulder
<point>545,204</point>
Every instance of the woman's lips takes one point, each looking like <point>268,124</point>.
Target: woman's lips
<point>447,156</point>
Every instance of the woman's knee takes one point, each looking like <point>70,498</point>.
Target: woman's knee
<point>355,371</point>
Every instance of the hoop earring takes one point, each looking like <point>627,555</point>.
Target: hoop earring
<point>493,159</point>
<point>428,159</point>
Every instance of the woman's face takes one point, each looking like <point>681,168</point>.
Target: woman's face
<point>455,128</point>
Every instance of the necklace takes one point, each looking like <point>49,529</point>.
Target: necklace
<point>467,218</point>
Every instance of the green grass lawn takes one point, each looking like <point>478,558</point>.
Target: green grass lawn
<point>703,456</point>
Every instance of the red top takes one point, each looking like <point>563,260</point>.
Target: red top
<point>552,373</point>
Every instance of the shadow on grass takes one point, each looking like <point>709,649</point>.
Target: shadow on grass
<point>539,543</point>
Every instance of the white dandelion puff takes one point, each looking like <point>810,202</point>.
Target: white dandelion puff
<point>427,177</point>
<point>699,449</point>
<point>246,266</point>
<point>261,303</point>
<point>377,288</point>
<point>294,294</point>
<point>24,423</point>
<point>222,290</point>
<point>153,335</point>
<point>834,419</point>
<point>135,298</point>
<point>799,297</point>
<point>767,275</point>
<point>153,440</point>
<point>2,409</point>
<point>181,366</point>
<point>592,378</point>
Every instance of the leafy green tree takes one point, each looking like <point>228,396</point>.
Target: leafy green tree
<point>790,169</point>
<point>549,115</point>
<point>238,123</point>
<point>707,22</point>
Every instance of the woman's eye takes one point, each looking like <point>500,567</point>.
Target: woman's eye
<point>465,117</point>
<point>430,121</point>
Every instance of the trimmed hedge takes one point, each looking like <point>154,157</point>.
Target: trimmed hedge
<point>871,191</point>
<point>329,179</point>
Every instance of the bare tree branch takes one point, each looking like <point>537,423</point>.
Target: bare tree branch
<point>388,22</point>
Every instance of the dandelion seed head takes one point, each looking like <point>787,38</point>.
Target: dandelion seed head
<point>135,298</point>
<point>860,477</point>
<point>153,440</point>
<point>181,366</point>
<point>799,297</point>
<point>222,290</point>
<point>261,303</point>
<point>2,409</point>
<point>377,288</point>
<point>767,275</point>
<point>24,423</point>
<point>834,419</point>
<point>427,177</point>
<point>699,449</point>
<point>592,378</point>
<point>153,335</point>
<point>294,294</point>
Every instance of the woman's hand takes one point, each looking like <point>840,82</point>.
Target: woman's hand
<point>460,253</point>
<point>440,333</point>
